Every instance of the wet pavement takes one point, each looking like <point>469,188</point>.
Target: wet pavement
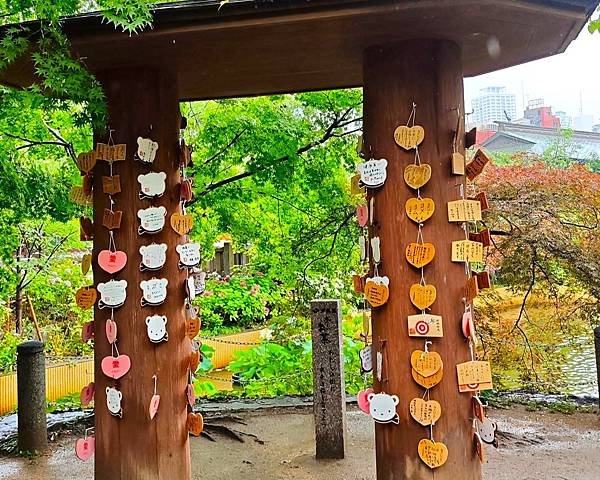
<point>533,445</point>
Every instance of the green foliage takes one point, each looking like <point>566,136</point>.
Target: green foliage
<point>594,25</point>
<point>240,301</point>
<point>273,172</point>
<point>284,367</point>
<point>8,351</point>
<point>66,403</point>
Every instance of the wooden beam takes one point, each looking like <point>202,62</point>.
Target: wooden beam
<point>428,73</point>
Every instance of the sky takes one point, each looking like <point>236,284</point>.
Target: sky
<point>560,80</point>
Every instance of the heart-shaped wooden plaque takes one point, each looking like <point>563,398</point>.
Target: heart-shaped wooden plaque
<point>84,448</point>
<point>153,408</point>
<point>362,215</point>
<point>111,331</point>
<point>422,296</point>
<point>377,291</point>
<point>115,367</point>
<point>86,263</point>
<point>426,363</point>
<point>433,454</point>
<point>86,297</point>
<point>112,262</point>
<point>420,254</point>
<point>419,209</point>
<point>86,161</point>
<point>409,137</point>
<point>416,176</point>
<point>363,399</point>
<point>195,424</point>
<point>426,412</point>
<point>182,224</point>
<point>190,395</point>
<point>87,394</point>
<point>428,382</point>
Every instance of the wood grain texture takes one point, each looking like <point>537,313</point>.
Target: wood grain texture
<point>428,73</point>
<point>253,48</point>
<point>142,103</point>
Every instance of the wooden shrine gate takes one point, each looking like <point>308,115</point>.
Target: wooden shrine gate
<point>403,52</point>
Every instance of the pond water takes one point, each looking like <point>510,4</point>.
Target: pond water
<point>580,371</point>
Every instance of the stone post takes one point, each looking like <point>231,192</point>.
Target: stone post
<point>31,391</point>
<point>328,374</point>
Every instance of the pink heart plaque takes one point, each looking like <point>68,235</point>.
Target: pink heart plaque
<point>154,402</point>
<point>87,394</point>
<point>191,396</point>
<point>84,448</point>
<point>363,399</point>
<point>115,367</point>
<point>111,331</point>
<point>112,262</point>
<point>362,215</point>
<point>87,332</point>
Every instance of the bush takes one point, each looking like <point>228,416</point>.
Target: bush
<point>284,367</point>
<point>238,302</point>
<point>8,351</point>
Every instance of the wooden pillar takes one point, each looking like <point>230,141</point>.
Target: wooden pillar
<point>142,103</point>
<point>428,73</point>
<point>328,378</point>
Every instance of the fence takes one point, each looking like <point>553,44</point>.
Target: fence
<point>67,376</point>
<point>62,378</point>
<point>225,259</point>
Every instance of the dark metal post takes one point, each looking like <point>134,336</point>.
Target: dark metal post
<point>31,391</point>
<point>328,374</point>
<point>597,345</point>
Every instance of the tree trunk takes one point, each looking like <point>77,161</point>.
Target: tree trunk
<point>428,73</point>
<point>19,309</point>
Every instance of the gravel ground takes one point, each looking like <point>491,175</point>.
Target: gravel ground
<point>533,445</point>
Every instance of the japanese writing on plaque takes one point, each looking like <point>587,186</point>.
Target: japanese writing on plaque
<point>467,251</point>
<point>464,211</point>
<point>474,376</point>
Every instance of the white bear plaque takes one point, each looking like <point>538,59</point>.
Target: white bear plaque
<point>112,293</point>
<point>154,256</point>
<point>156,326</point>
<point>189,255</point>
<point>146,151</point>
<point>152,219</point>
<point>113,402</point>
<point>382,407</point>
<point>152,185</point>
<point>154,291</point>
<point>373,173</point>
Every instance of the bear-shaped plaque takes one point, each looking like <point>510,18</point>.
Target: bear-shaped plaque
<point>373,173</point>
<point>189,255</point>
<point>146,151</point>
<point>154,291</point>
<point>112,293</point>
<point>152,185</point>
<point>157,328</point>
<point>154,256</point>
<point>487,431</point>
<point>382,407</point>
<point>152,219</point>
<point>113,401</point>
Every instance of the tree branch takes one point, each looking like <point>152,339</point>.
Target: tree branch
<point>328,134</point>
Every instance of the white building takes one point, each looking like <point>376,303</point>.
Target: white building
<point>494,104</point>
